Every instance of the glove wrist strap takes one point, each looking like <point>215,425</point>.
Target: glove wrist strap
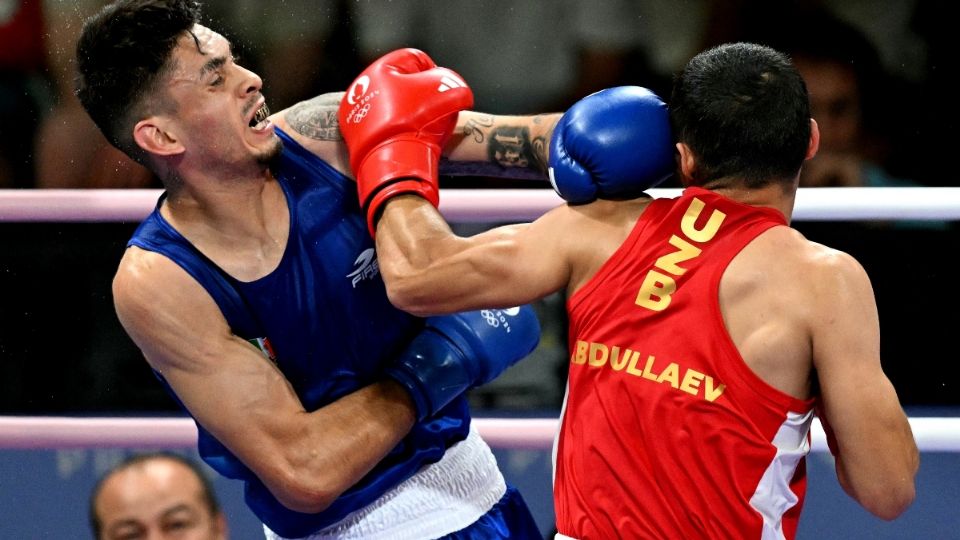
<point>398,166</point>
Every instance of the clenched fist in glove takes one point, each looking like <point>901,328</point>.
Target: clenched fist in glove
<point>612,144</point>
<point>457,352</point>
<point>395,118</point>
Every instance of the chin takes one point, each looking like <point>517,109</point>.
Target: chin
<point>267,156</point>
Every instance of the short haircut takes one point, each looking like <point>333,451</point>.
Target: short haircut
<point>209,495</point>
<point>743,110</point>
<point>122,54</point>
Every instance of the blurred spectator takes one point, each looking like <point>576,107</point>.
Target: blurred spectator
<point>518,57</point>
<point>851,94</point>
<point>300,51</point>
<point>156,495</point>
<point>845,78</point>
<point>70,150</point>
<point>23,90</point>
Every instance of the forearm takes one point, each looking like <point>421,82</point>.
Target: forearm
<point>326,452</point>
<point>420,257</point>
<point>307,459</point>
<point>499,146</point>
<point>429,270</point>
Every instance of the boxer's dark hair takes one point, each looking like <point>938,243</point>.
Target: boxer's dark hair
<point>122,55</point>
<point>744,111</point>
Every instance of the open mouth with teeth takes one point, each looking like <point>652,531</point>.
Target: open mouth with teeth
<point>260,117</point>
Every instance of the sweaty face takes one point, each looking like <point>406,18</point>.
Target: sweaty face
<point>221,116</point>
<point>157,499</point>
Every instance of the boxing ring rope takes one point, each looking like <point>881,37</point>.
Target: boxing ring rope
<point>497,205</point>
<point>933,434</point>
<point>458,205</point>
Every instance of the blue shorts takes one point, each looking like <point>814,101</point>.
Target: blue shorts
<point>509,518</point>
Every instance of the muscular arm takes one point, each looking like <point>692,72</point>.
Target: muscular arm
<point>306,459</point>
<point>430,270</point>
<point>482,145</point>
<point>876,455</point>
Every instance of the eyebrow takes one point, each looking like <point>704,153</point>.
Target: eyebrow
<point>182,507</point>
<point>212,65</point>
<point>120,526</point>
<point>217,62</point>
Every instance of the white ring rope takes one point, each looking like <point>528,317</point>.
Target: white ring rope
<point>496,205</point>
<point>933,434</point>
<point>459,205</point>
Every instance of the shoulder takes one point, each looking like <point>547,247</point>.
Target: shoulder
<point>589,234</point>
<point>815,256</point>
<point>822,269</point>
<point>313,124</point>
<point>148,285</point>
<point>166,312</point>
<point>599,220</point>
<point>139,270</point>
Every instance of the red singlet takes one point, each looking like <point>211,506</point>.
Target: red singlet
<point>666,433</point>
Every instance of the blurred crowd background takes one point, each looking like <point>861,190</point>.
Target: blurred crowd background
<point>876,70</point>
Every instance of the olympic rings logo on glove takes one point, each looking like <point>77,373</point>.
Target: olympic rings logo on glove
<point>493,319</point>
<point>360,114</point>
<point>497,317</point>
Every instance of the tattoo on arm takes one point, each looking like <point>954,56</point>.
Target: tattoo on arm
<point>475,127</point>
<point>511,153</point>
<point>317,118</point>
<point>541,143</point>
<point>511,146</point>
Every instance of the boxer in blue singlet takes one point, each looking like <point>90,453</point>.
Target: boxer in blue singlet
<point>254,293</point>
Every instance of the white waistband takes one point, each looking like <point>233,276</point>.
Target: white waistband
<point>441,498</point>
<point>559,536</point>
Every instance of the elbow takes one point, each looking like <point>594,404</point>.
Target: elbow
<point>889,498</point>
<point>400,296</point>
<point>408,294</point>
<point>891,503</point>
<point>886,488</point>
<point>410,303</point>
<point>895,496</point>
<point>301,492</point>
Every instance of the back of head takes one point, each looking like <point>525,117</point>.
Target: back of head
<point>743,111</point>
<point>122,55</point>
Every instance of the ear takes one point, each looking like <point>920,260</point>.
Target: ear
<point>220,524</point>
<point>814,143</point>
<point>687,163</point>
<point>150,135</point>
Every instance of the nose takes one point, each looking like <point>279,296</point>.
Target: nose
<point>250,82</point>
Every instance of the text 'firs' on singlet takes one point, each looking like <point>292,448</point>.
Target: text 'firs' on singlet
<point>666,432</point>
<point>324,318</point>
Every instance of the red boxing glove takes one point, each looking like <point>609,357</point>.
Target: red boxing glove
<point>395,118</point>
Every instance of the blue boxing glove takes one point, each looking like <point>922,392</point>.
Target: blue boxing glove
<point>456,352</point>
<point>612,144</point>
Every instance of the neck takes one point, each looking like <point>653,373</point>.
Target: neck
<point>238,208</point>
<point>776,195</point>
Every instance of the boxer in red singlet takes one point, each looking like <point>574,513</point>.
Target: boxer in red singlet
<point>704,330</point>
